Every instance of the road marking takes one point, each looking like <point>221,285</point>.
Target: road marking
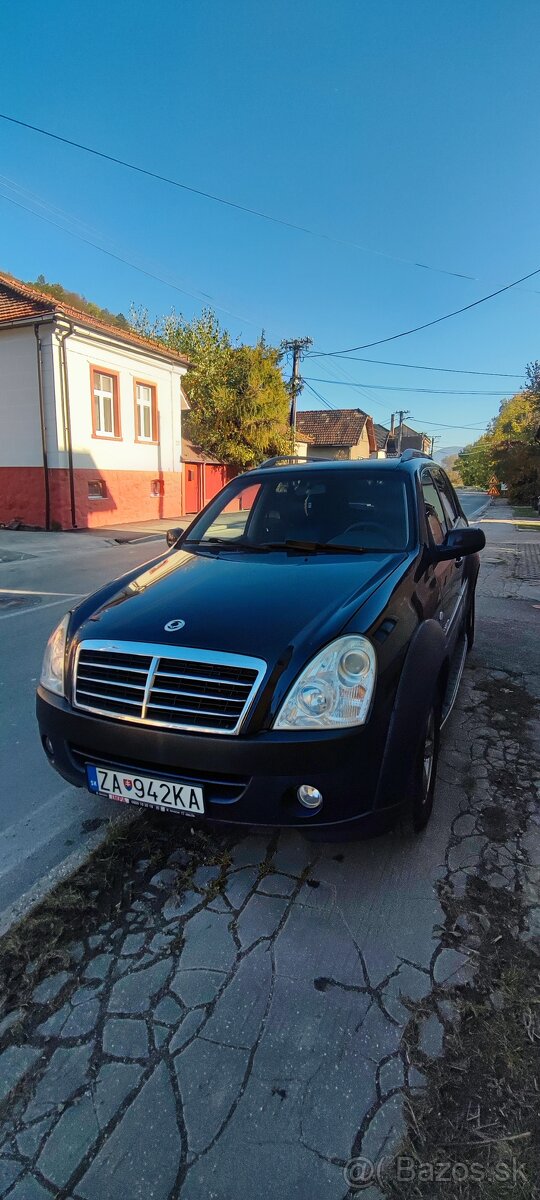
<point>31,592</point>
<point>23,611</point>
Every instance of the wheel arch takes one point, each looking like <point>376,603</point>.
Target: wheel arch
<point>424,671</point>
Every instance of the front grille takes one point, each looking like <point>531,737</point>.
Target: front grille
<point>203,691</point>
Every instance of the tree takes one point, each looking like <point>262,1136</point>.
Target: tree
<point>508,450</point>
<point>239,404</point>
<point>451,465</point>
<point>475,463</point>
<point>76,301</point>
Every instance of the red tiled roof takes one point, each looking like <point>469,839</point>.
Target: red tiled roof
<point>19,302</point>
<point>341,427</point>
<point>381,435</point>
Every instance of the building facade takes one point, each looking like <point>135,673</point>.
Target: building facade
<point>92,417</point>
<point>345,433</point>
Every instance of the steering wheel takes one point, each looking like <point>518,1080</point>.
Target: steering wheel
<point>381,532</point>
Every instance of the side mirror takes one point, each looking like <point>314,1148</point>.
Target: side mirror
<point>459,542</point>
<point>173,536</point>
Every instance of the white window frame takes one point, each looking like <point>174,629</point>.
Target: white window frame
<point>99,396</point>
<point>147,404</point>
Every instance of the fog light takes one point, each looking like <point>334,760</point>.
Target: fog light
<point>309,796</point>
<point>48,747</point>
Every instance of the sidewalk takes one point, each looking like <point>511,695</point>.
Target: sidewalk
<point>511,560</point>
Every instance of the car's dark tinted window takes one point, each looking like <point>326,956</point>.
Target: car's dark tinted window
<point>448,498</point>
<point>435,514</point>
<point>367,508</point>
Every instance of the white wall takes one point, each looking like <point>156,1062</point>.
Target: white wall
<point>20,444</point>
<point>84,349</point>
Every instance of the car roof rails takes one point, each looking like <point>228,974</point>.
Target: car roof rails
<point>408,454</point>
<point>282,458</point>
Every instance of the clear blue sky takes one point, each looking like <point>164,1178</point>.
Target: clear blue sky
<point>409,127</point>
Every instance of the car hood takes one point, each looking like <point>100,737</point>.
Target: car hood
<point>239,602</point>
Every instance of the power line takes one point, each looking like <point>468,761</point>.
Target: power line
<point>416,366</point>
<point>199,296</point>
<point>387,387</point>
<point>436,321</point>
<point>319,397</point>
<point>254,212</point>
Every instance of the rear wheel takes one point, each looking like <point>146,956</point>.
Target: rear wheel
<point>425,772</point>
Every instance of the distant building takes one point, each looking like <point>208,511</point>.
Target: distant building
<point>343,433</point>
<point>389,444</point>
<point>203,477</point>
<point>91,417</point>
<point>411,440</point>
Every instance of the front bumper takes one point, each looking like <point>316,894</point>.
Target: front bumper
<point>251,780</point>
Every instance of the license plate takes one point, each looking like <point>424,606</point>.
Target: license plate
<point>144,789</point>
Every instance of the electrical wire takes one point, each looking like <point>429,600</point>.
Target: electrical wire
<point>318,395</point>
<point>436,321</point>
<point>387,387</point>
<point>254,212</point>
<point>416,366</point>
<point>199,296</point>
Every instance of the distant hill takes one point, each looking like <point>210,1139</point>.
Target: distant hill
<point>445,451</point>
<point>94,310</point>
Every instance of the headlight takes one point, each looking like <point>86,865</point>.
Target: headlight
<point>334,690</point>
<point>52,671</point>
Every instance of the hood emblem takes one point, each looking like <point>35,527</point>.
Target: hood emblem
<point>174,626</point>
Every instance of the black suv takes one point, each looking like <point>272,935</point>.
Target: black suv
<point>290,660</point>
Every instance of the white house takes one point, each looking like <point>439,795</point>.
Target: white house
<point>90,416</point>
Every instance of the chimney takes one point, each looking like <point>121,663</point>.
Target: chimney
<point>392,424</point>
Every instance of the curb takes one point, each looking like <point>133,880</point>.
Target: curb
<point>24,905</point>
<point>479,512</point>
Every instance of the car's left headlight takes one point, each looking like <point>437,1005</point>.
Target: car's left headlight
<point>335,690</point>
<point>52,671</point>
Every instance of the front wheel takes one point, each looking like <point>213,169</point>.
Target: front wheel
<point>425,772</point>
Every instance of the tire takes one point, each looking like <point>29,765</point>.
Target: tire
<point>470,623</point>
<point>425,771</point>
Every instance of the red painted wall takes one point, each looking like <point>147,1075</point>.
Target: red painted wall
<point>128,497</point>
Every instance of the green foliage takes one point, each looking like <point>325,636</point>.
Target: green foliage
<point>475,463</point>
<point>450,464</point>
<point>508,451</point>
<point>76,301</point>
<point>239,404</point>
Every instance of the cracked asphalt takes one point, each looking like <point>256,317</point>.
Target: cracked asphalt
<point>254,1031</point>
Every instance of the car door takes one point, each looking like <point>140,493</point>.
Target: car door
<point>457,575</point>
<point>442,572</point>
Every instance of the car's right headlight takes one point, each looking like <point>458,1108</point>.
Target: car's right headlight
<point>335,690</point>
<point>52,671</point>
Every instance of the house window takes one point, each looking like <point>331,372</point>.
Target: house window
<point>97,489</point>
<point>145,412</point>
<point>105,411</point>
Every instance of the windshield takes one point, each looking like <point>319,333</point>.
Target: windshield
<point>363,510</point>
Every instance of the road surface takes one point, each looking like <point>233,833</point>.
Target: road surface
<point>472,502</point>
<point>42,820</point>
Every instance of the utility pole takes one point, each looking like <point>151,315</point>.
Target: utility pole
<point>296,346</point>
<point>401,414</point>
<point>433,440</point>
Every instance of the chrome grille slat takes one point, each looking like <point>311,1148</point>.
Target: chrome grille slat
<point>181,688</point>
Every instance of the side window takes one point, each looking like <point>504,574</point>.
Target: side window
<point>448,499</point>
<point>435,516</point>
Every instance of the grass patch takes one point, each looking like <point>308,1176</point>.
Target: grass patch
<point>105,885</point>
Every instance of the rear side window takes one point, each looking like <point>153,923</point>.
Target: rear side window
<point>435,515</point>
<point>448,498</point>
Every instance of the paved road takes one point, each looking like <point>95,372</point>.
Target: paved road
<point>255,1033</point>
<point>472,502</point>
<point>41,819</point>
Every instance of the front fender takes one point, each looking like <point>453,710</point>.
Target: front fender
<point>425,659</point>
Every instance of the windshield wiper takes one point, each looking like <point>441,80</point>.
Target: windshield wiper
<point>216,543</point>
<point>315,547</point>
